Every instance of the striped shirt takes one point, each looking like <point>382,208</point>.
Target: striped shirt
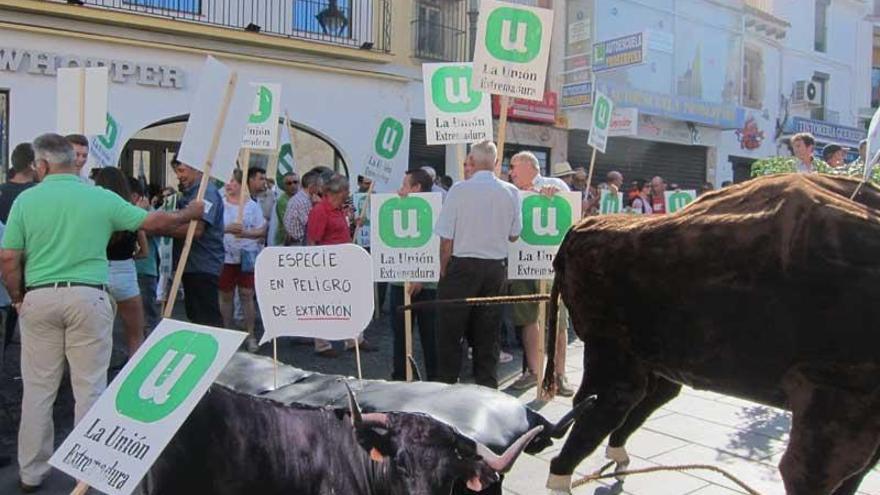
<point>297,216</point>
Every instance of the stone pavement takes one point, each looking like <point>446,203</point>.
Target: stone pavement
<point>743,438</point>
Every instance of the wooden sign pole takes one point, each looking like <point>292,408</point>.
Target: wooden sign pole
<point>460,158</point>
<point>590,175</point>
<point>357,353</point>
<point>82,100</point>
<point>542,335</point>
<point>502,131</point>
<point>244,194</point>
<point>407,328</point>
<point>206,173</point>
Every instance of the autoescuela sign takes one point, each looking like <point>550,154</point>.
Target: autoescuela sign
<point>37,62</point>
<point>122,435</point>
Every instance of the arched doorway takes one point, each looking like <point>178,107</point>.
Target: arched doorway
<point>150,151</point>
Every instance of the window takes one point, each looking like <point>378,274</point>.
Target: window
<point>753,78</point>
<point>429,34</point>
<point>875,87</point>
<point>329,17</point>
<point>820,112</point>
<point>821,34</point>
<point>189,6</point>
<point>440,30</point>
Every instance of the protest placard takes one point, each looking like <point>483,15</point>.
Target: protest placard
<point>386,161</point>
<point>610,202</point>
<point>122,435</point>
<point>261,131</point>
<point>512,49</point>
<point>213,109</point>
<point>602,110</point>
<point>104,148</point>
<point>82,100</point>
<point>454,112</point>
<point>402,242</point>
<point>545,221</point>
<point>676,200</point>
<point>316,291</point>
<point>361,202</point>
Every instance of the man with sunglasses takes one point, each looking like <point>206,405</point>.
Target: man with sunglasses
<point>289,187</point>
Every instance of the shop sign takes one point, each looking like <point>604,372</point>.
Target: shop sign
<point>624,122</point>
<point>823,131</point>
<point>543,111</point>
<point>619,53</point>
<point>577,95</point>
<point>673,107</point>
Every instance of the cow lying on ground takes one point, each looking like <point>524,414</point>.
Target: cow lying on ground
<point>768,290</point>
<point>245,438</point>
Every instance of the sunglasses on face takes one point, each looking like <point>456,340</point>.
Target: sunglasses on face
<point>291,182</point>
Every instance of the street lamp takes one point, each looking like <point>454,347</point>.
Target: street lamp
<point>332,20</point>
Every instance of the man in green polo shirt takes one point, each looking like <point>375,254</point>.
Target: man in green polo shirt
<point>57,236</point>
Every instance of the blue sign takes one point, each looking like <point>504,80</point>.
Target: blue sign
<point>577,95</point>
<point>619,52</point>
<point>720,115</point>
<point>190,6</point>
<point>823,131</point>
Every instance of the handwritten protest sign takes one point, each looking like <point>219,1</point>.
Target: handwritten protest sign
<point>610,202</point>
<point>545,220</point>
<point>676,200</point>
<point>387,158</point>
<point>261,132</point>
<point>122,435</point>
<point>404,246</point>
<point>512,50</point>
<point>82,100</point>
<point>209,105</point>
<point>454,112</point>
<point>315,291</point>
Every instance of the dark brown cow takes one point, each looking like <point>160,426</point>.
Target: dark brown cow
<point>768,290</point>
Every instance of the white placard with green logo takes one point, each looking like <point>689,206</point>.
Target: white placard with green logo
<point>545,222</point>
<point>402,241</point>
<point>104,148</point>
<point>316,291</point>
<point>362,234</point>
<point>610,202</point>
<point>676,200</point>
<point>388,156</point>
<point>454,112</point>
<point>261,132</point>
<point>602,111</point>
<point>166,253</point>
<point>512,50</point>
<point>122,435</point>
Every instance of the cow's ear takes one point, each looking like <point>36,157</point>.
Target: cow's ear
<point>474,484</point>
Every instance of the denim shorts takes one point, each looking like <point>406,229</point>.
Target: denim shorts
<point>122,281</point>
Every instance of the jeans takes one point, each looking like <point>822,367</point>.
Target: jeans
<point>201,299</point>
<point>147,284</point>
<point>427,322</point>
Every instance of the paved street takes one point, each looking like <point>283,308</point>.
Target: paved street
<point>741,437</point>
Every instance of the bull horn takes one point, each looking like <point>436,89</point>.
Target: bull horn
<point>561,427</point>
<point>503,463</point>
<point>355,409</point>
<point>417,375</point>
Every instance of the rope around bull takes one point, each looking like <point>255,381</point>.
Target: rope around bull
<point>598,475</point>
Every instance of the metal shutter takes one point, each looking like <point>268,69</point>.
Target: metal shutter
<point>421,154</point>
<point>641,159</point>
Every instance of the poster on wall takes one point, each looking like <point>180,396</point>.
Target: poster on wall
<point>512,49</point>
<point>454,112</point>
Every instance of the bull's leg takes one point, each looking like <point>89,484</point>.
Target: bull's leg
<point>834,435</point>
<point>660,391</point>
<point>852,483</point>
<point>620,384</point>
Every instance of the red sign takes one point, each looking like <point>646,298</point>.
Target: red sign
<point>528,110</point>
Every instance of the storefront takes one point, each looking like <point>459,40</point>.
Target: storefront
<point>153,85</point>
<point>825,134</point>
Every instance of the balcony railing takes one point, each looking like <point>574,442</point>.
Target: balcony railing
<point>440,30</point>
<point>364,24</point>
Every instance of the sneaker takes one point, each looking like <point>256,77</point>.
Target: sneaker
<point>505,357</point>
<point>526,381</point>
<point>563,389</point>
<point>252,346</point>
<point>25,488</point>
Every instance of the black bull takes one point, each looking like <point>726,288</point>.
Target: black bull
<point>766,290</point>
<point>305,437</point>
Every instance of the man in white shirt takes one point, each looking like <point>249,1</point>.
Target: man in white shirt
<point>479,218</point>
<point>802,145</point>
<point>525,173</point>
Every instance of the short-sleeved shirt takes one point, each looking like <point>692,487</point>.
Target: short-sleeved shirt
<point>296,217</point>
<point>280,210</point>
<point>206,255</point>
<point>252,220</point>
<point>8,192</point>
<point>540,182</point>
<point>480,215</point>
<point>63,227</point>
<point>327,225</point>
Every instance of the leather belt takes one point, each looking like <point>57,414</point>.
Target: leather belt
<point>55,285</point>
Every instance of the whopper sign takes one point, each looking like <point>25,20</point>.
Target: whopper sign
<point>122,435</point>
<point>545,221</point>
<point>455,113</point>
<point>512,50</point>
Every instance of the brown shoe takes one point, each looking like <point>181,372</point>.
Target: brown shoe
<point>25,488</point>
<point>328,353</point>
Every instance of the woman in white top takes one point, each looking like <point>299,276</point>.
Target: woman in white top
<point>641,204</point>
<point>242,241</point>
